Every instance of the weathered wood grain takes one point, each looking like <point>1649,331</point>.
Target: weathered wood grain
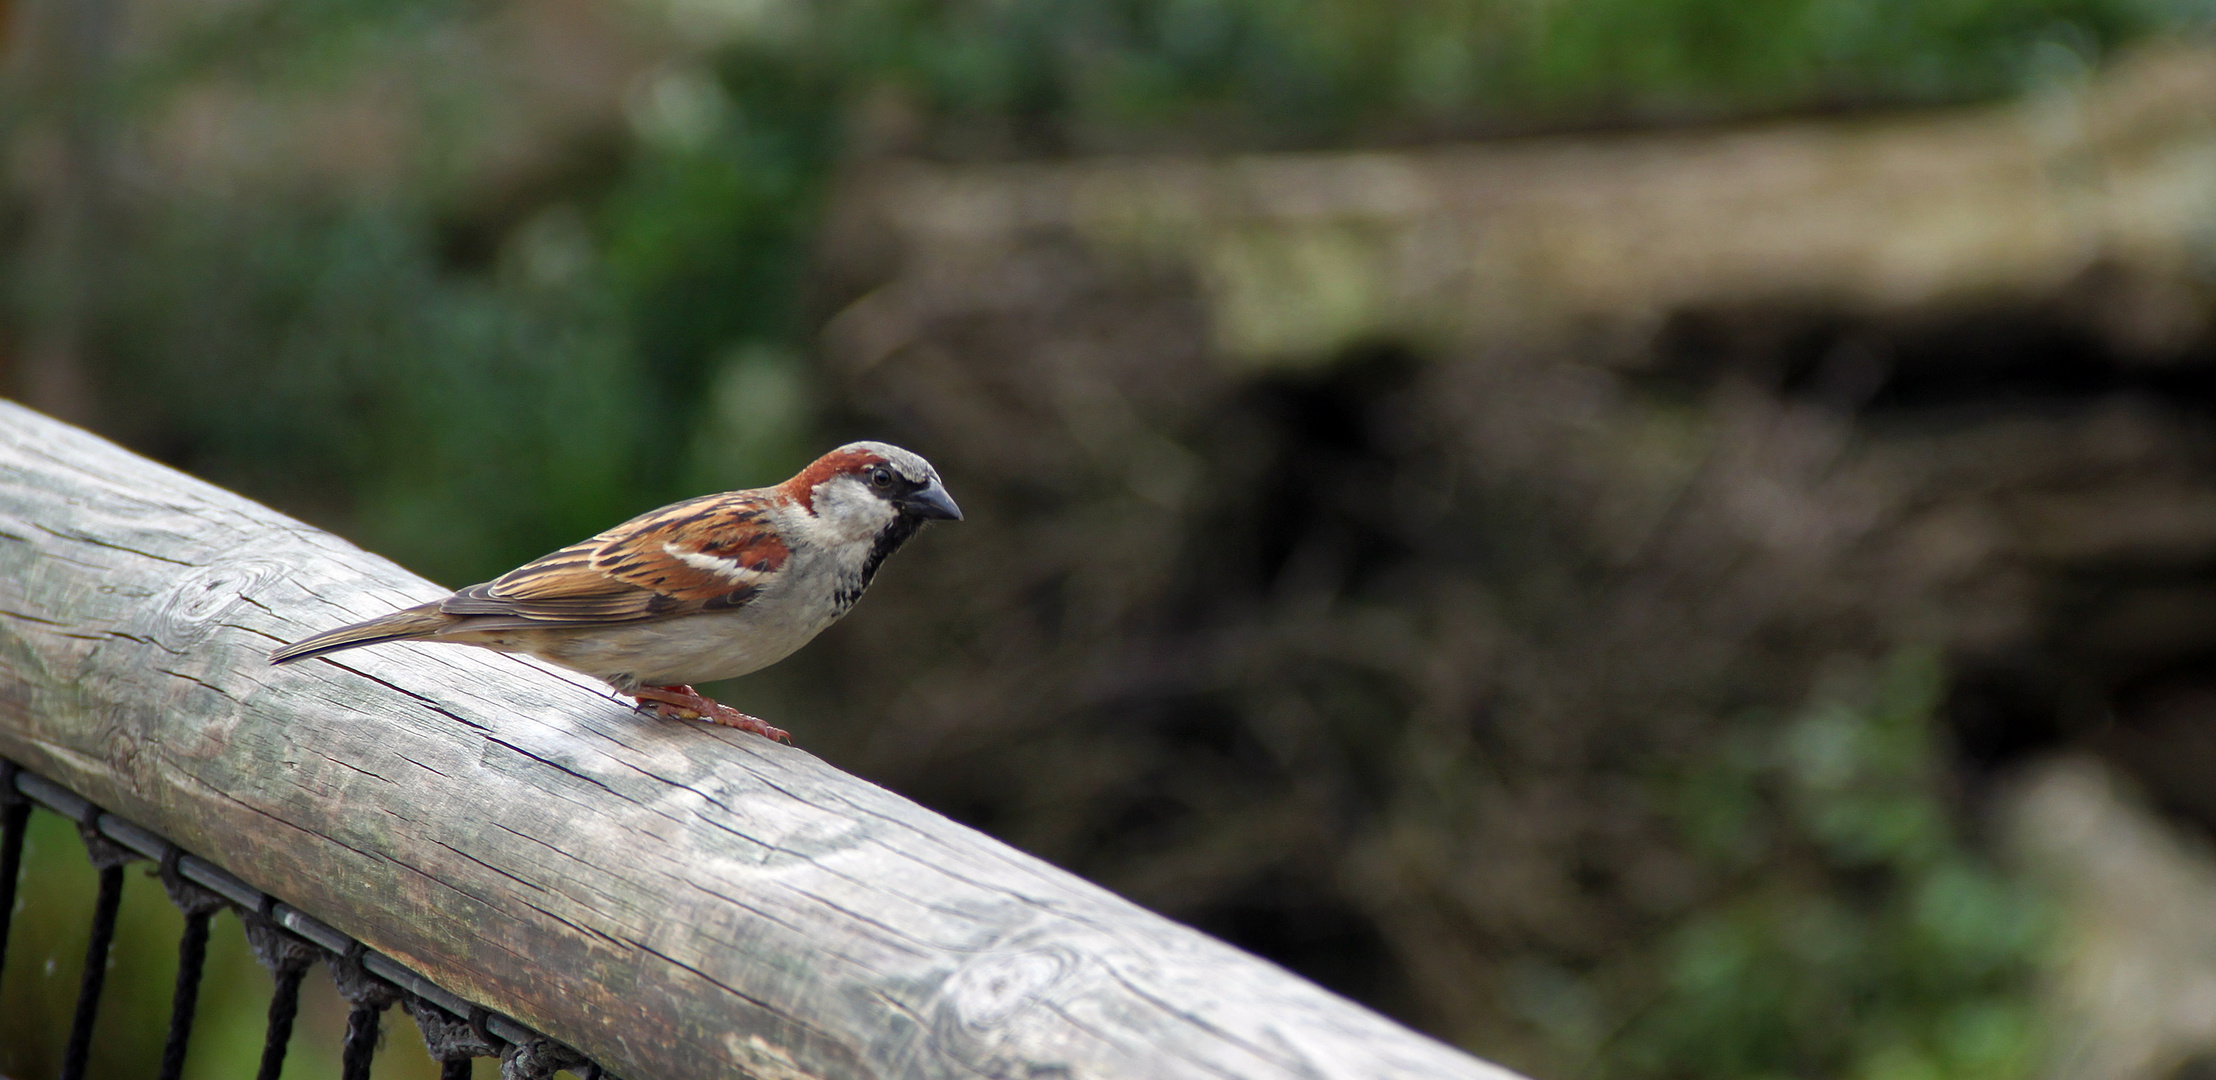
<point>674,900</point>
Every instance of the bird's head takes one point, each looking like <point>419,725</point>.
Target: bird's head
<point>861,489</point>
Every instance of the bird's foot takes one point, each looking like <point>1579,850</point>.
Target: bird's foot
<point>686,703</point>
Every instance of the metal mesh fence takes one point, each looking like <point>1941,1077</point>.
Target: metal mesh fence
<point>286,941</point>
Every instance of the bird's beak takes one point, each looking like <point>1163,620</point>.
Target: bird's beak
<point>932,503</point>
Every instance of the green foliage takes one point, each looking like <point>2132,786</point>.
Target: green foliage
<point>1320,70</point>
<point>705,238</point>
<point>1863,937</point>
<point>460,410</point>
<point>465,420</point>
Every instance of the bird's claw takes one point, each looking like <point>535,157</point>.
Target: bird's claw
<point>686,703</point>
<point>730,717</point>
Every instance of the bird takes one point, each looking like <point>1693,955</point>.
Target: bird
<point>709,588</point>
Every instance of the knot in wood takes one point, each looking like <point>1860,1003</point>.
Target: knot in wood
<point>193,607</point>
<point>986,993</point>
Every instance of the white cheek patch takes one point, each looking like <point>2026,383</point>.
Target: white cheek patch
<point>728,569</point>
<point>848,511</point>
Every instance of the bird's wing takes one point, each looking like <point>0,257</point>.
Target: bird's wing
<point>708,554</point>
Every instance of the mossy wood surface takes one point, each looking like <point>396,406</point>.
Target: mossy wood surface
<point>673,899</point>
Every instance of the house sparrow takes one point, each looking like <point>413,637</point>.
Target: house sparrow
<point>709,588</point>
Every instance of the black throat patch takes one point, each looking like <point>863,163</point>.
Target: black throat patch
<point>888,541</point>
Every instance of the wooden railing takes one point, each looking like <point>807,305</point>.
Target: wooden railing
<point>672,900</point>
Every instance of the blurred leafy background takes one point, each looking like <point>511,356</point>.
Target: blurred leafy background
<point>464,281</point>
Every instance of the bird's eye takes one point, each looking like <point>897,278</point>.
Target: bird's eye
<point>880,478</point>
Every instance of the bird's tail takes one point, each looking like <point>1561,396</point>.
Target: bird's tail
<point>415,622</point>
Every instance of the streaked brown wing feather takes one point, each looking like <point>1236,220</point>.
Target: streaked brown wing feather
<point>706,554</point>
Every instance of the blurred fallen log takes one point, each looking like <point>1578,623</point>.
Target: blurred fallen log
<point>672,900</point>
<point>1297,256</point>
